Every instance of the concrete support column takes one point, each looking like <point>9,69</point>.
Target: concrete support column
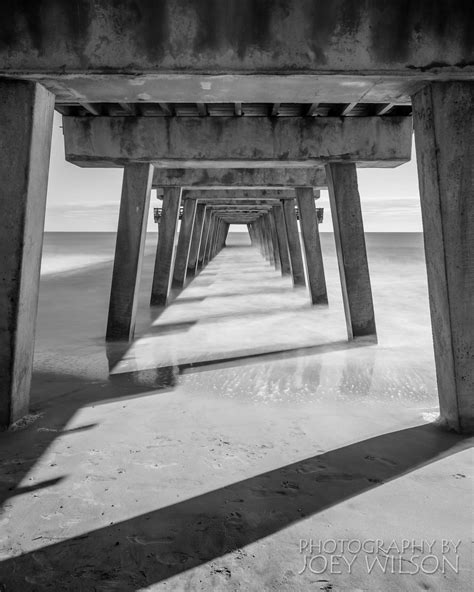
<point>268,239</point>
<point>184,243</point>
<point>26,118</point>
<point>129,248</point>
<point>225,234</point>
<point>210,235</point>
<point>260,236</point>
<point>274,239</point>
<point>444,133</point>
<point>165,251</point>
<point>294,245</point>
<point>282,240</point>
<point>204,236</point>
<point>351,251</point>
<point>312,245</point>
<point>196,239</point>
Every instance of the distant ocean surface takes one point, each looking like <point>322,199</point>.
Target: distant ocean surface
<point>66,252</point>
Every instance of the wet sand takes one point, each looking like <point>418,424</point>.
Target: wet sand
<point>238,424</point>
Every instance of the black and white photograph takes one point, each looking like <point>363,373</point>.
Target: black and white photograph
<point>236,295</point>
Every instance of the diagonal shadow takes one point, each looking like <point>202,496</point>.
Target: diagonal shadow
<point>155,546</point>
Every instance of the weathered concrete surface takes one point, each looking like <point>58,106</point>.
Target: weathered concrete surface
<point>234,194</point>
<point>276,178</point>
<point>282,239</point>
<point>26,119</point>
<point>196,239</point>
<point>248,142</point>
<point>351,251</point>
<point>102,50</point>
<point>205,234</point>
<point>444,133</point>
<point>184,243</point>
<point>165,250</point>
<point>133,216</point>
<point>274,239</point>
<point>322,439</point>
<point>294,245</point>
<point>312,245</point>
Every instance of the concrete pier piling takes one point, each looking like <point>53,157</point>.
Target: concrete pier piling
<point>26,119</point>
<point>196,239</point>
<point>130,245</point>
<point>312,245</point>
<point>165,251</point>
<point>351,250</point>
<point>444,133</point>
<point>184,243</point>
<point>294,247</point>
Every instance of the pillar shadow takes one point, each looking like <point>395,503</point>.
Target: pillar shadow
<point>150,548</point>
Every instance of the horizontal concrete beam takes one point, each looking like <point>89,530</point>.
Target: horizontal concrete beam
<point>106,50</point>
<point>277,178</point>
<point>237,142</point>
<point>236,194</point>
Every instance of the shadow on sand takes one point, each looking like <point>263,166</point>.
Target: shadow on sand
<point>155,546</point>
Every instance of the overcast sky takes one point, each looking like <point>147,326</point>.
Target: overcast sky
<point>82,200</point>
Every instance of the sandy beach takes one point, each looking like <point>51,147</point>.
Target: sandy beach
<point>238,429</point>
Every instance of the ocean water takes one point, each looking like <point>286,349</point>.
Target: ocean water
<point>69,252</point>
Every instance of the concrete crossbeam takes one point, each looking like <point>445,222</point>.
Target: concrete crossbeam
<point>245,142</point>
<point>277,178</point>
<point>236,194</point>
